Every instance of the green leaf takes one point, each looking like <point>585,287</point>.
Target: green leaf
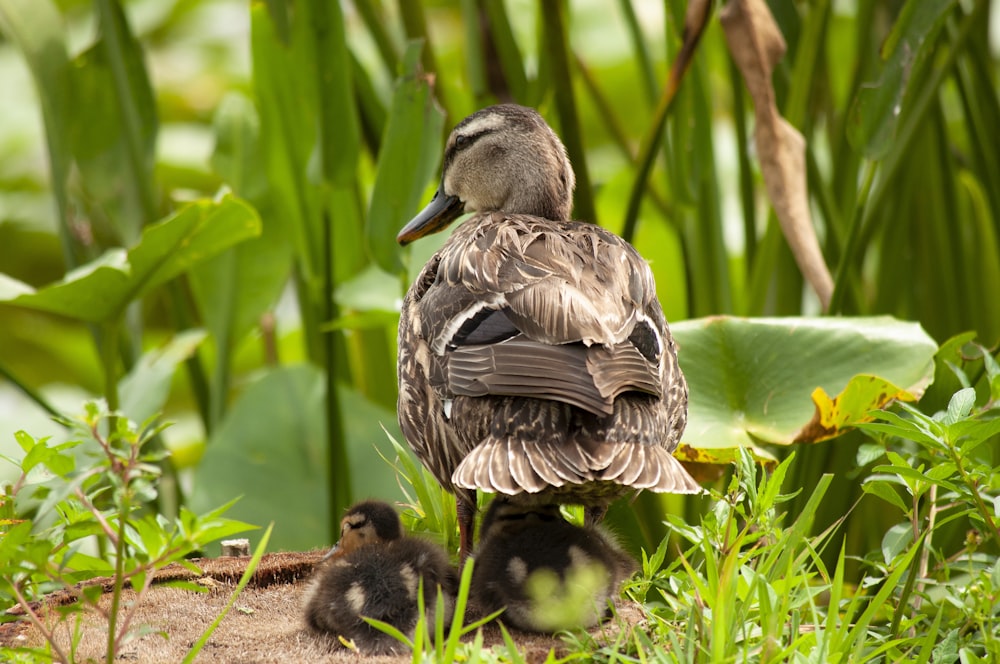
<point>237,154</point>
<point>960,405</point>
<point>100,291</point>
<point>947,361</point>
<point>411,151</point>
<point>896,540</point>
<point>113,133</point>
<point>284,85</point>
<point>969,434</point>
<point>992,368</point>
<point>270,448</point>
<point>152,537</point>
<point>748,380</point>
<point>868,453</point>
<point>878,488</point>
<point>946,649</point>
<point>25,440</point>
<point>877,108</point>
<point>36,27</point>
<point>244,580</point>
<point>145,389</point>
<point>339,131</point>
<point>894,425</point>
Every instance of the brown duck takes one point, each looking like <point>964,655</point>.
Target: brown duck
<point>534,357</point>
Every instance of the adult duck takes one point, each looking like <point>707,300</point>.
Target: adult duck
<point>534,357</point>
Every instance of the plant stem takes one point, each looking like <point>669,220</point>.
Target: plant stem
<point>617,131</point>
<point>925,553</point>
<point>652,140</point>
<point>558,53</point>
<point>904,596</point>
<point>984,511</point>
<point>105,526</point>
<point>124,509</point>
<point>39,625</point>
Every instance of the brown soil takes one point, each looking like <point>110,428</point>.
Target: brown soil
<point>265,625</point>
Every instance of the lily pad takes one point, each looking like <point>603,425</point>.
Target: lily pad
<point>752,380</point>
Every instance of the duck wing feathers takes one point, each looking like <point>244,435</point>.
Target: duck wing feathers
<point>546,342</point>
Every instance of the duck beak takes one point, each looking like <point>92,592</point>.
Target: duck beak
<point>441,211</point>
<point>334,552</point>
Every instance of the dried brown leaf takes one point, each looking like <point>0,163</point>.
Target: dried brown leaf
<point>756,45</point>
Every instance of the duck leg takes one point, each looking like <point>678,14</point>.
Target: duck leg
<point>465,510</point>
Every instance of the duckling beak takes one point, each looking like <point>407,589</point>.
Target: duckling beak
<point>334,552</point>
<point>441,211</point>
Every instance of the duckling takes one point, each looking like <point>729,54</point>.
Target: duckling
<point>534,357</point>
<point>547,573</point>
<point>375,571</point>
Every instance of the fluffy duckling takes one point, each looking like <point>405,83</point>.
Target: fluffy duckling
<point>547,573</point>
<point>534,357</point>
<point>375,571</point>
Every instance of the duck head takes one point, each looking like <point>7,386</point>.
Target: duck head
<point>365,524</point>
<point>501,158</point>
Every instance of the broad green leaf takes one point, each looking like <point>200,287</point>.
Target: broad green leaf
<point>145,389</point>
<point>750,380</point>
<point>102,290</point>
<point>992,368</point>
<point>372,290</point>
<point>411,150</point>
<point>270,448</point>
<point>877,108</point>
<point>235,288</point>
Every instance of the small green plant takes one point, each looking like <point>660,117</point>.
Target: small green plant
<point>939,472</point>
<point>78,511</point>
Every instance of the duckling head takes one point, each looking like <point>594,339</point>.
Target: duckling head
<point>365,524</point>
<point>501,158</point>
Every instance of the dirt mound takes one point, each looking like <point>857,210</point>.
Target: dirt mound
<point>265,625</point>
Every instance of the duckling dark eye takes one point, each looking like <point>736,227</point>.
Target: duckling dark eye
<point>461,142</point>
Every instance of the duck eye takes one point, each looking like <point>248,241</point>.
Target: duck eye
<point>461,141</point>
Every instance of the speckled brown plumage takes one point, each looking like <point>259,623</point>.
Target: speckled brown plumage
<point>534,357</point>
<point>521,546</point>
<point>375,571</point>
